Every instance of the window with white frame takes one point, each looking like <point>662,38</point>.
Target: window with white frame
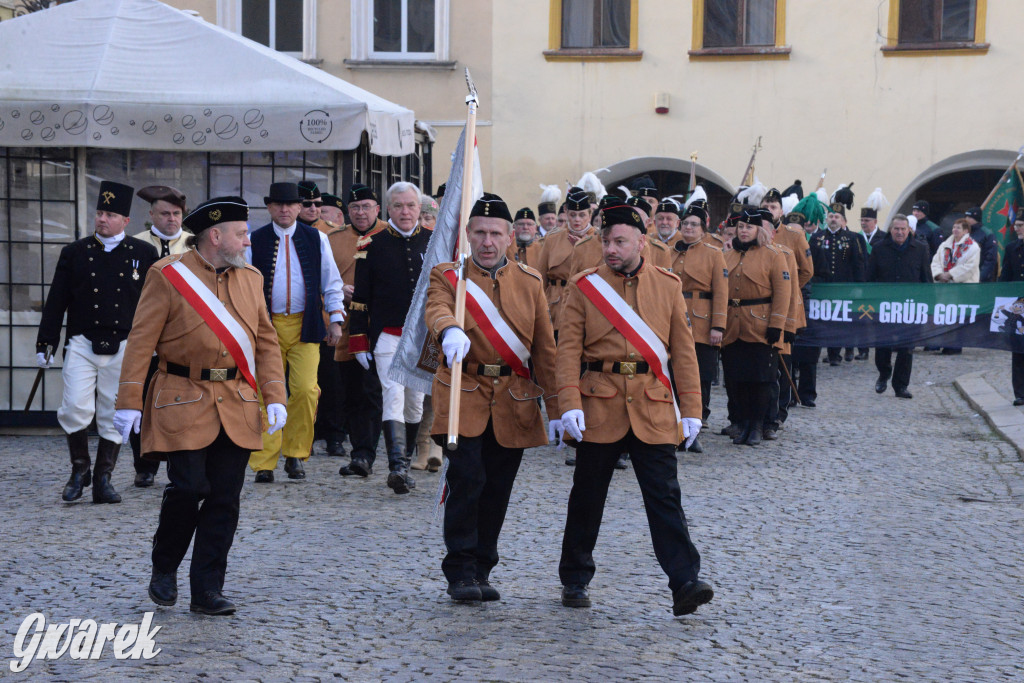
<point>400,30</point>
<point>287,26</point>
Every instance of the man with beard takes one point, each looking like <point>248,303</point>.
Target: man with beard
<point>843,258</point>
<point>625,327</point>
<point>204,314</point>
<point>527,241</point>
<point>666,222</point>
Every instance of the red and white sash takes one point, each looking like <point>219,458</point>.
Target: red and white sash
<point>498,333</point>
<point>630,325</point>
<point>214,314</point>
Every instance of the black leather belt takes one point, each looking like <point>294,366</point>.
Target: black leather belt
<point>700,295</point>
<point>749,302</point>
<point>561,283</point>
<point>209,374</point>
<point>483,369</point>
<point>619,368</point>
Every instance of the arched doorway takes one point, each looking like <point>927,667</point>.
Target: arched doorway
<point>672,177</point>
<point>955,184</point>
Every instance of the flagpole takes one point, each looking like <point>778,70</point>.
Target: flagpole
<point>468,146</point>
<point>1002,178</point>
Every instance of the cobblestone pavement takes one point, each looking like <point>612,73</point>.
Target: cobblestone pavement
<point>878,539</point>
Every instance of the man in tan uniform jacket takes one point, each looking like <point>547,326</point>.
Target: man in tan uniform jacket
<point>498,411</point>
<point>200,414</point>
<point>625,402</point>
<point>555,264</point>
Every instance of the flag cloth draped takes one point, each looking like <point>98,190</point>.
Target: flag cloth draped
<point>985,315</point>
<point>406,368</point>
<point>1003,207</point>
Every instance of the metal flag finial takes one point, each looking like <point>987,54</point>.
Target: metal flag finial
<point>472,88</point>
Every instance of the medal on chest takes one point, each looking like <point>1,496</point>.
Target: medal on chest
<point>135,269</point>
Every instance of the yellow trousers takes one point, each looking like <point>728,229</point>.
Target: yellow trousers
<point>300,364</point>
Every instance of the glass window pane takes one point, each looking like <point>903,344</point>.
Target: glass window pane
<point>5,221</point>
<point>577,23</point>
<point>615,23</point>
<point>257,159</point>
<point>58,180</point>
<point>25,220</point>
<point>721,20</point>
<point>3,175</point>
<point>22,385</point>
<point>917,21</point>
<point>958,20</point>
<point>51,252</point>
<point>256,185</point>
<point>57,153</point>
<point>387,25</point>
<point>256,20</point>
<point>23,348</point>
<point>58,222</point>
<point>225,158</point>
<point>760,26</point>
<point>225,180</point>
<point>288,25</point>
<point>5,273</point>
<point>317,158</point>
<point>5,346</point>
<point>288,158</point>
<point>25,178</point>
<point>420,37</point>
<point>258,217</point>
<point>5,390</point>
<point>26,304</point>
<point>26,262</point>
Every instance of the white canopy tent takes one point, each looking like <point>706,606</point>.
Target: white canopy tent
<point>138,74</point>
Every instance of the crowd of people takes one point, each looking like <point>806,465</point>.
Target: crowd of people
<point>211,345</point>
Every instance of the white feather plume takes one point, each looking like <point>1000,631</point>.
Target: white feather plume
<point>626,190</point>
<point>753,194</point>
<point>822,195</point>
<point>833,197</point>
<point>876,200</point>
<point>550,193</point>
<point>698,193</point>
<point>589,182</point>
<point>789,202</point>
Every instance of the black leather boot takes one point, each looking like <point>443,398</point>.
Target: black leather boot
<point>744,433</point>
<point>754,435</point>
<point>78,447</point>
<point>412,430</point>
<point>394,443</point>
<point>106,458</point>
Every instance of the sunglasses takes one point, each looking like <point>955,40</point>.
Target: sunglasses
<point>308,204</point>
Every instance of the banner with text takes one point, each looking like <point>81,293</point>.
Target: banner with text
<point>989,315</point>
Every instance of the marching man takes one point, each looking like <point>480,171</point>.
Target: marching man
<point>507,328</point>
<point>624,326</point>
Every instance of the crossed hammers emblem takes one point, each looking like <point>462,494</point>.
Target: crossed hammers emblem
<point>866,311</point>
<point>107,196</point>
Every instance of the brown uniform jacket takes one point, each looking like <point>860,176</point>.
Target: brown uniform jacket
<point>529,255</point>
<point>554,267</point>
<point>343,243</point>
<point>701,267</point>
<point>509,402</point>
<point>756,273</point>
<point>796,239</point>
<point>187,413</point>
<point>795,316</point>
<point>613,404</point>
<point>714,240</point>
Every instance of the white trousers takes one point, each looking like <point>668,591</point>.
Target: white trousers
<point>399,403</point>
<point>90,388</point>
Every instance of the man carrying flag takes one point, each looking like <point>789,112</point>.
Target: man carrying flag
<point>624,326</point>
<point>507,329</point>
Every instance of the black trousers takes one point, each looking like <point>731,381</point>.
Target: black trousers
<point>779,395</point>
<point>201,501</point>
<point>362,408</point>
<point>904,363</point>
<point>330,417</point>
<point>1017,374</point>
<point>805,368</point>
<point>835,353</point>
<point>480,476</point>
<point>655,468</point>
<point>141,465</point>
<point>707,366</point>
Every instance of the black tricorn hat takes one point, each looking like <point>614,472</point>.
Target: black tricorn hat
<point>358,192</point>
<point>308,190</point>
<point>165,193</point>
<point>333,200</point>
<point>283,193</point>
<point>491,205</point>
<point>796,188</point>
<point>115,198</point>
<point>215,211</point>
<point>525,212</point>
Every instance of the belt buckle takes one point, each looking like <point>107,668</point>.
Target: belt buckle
<point>734,303</point>
<point>218,374</point>
<point>492,370</point>
<point>628,368</point>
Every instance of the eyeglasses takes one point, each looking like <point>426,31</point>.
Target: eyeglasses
<point>308,204</point>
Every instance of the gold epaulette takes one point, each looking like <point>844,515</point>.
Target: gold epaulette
<point>666,271</point>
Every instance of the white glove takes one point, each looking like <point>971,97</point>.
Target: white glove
<point>455,346</point>
<point>42,361</point>
<point>555,431</point>
<point>572,421</point>
<point>276,416</point>
<point>691,428</point>
<point>364,358</point>
<point>127,421</point>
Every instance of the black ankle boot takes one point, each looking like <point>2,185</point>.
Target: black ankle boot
<point>106,458</point>
<point>754,435</point>
<point>394,443</point>
<point>412,430</point>
<point>78,447</point>
<point>742,436</point>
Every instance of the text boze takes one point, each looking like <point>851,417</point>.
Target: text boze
<point>907,312</point>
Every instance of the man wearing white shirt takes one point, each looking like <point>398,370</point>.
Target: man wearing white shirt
<point>300,281</point>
